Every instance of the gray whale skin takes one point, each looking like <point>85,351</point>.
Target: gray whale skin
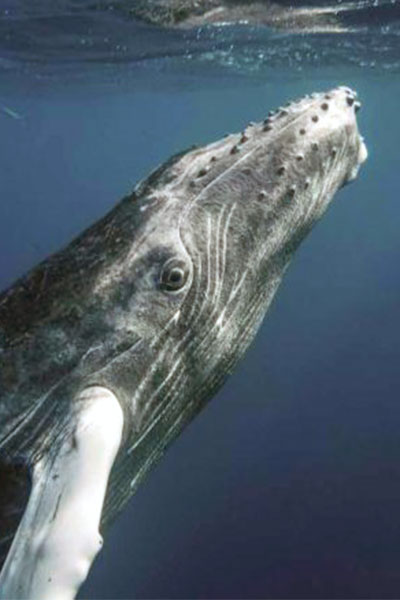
<point>154,305</point>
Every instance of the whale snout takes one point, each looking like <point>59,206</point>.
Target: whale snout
<point>349,115</point>
<point>314,138</point>
<point>319,143</point>
<point>290,164</point>
<point>344,105</point>
<point>329,127</point>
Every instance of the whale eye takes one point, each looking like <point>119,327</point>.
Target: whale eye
<point>174,275</point>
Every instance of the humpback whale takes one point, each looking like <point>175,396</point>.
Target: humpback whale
<point>112,345</point>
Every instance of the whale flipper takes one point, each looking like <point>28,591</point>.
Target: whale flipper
<point>15,485</point>
<point>58,537</point>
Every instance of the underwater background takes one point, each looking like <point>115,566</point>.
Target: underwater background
<point>288,484</point>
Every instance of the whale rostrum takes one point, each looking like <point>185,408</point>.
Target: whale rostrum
<point>111,346</point>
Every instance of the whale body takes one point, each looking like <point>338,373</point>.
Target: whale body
<point>145,314</point>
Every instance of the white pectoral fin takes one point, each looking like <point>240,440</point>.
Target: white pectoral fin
<point>58,537</point>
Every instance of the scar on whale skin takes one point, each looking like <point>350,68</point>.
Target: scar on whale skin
<point>111,346</point>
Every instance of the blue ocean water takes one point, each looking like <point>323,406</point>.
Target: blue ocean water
<point>288,484</point>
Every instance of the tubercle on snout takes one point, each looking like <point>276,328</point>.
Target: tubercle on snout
<point>306,117</point>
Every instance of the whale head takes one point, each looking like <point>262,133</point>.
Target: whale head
<point>218,226</point>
